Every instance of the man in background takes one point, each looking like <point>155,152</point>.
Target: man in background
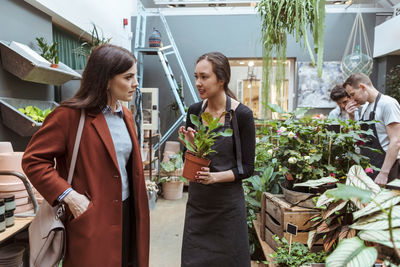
<point>386,137</point>
<point>342,99</point>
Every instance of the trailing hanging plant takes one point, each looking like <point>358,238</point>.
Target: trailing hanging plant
<point>280,18</point>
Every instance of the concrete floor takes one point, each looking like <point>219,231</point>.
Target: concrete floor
<point>166,229</point>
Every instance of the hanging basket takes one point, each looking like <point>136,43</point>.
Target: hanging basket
<point>357,57</point>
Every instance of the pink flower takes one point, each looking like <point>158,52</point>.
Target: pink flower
<point>369,170</point>
<point>278,131</point>
<point>332,174</point>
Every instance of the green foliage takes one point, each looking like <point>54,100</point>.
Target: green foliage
<point>304,149</point>
<point>205,136</point>
<point>280,18</point>
<point>47,51</point>
<point>35,113</point>
<point>168,168</point>
<point>299,254</point>
<point>86,48</point>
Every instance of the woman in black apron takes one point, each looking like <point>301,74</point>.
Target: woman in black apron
<point>215,232</point>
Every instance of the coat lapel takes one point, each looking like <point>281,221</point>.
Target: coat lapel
<point>100,124</point>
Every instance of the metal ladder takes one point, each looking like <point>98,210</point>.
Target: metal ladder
<point>162,53</point>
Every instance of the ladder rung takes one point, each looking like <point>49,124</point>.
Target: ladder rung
<point>169,53</point>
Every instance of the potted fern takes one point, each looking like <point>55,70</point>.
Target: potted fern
<point>204,139</point>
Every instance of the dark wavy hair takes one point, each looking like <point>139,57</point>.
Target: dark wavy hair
<point>338,92</point>
<point>221,68</point>
<point>104,63</point>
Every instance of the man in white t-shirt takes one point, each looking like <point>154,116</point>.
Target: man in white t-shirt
<point>386,110</point>
<point>339,95</point>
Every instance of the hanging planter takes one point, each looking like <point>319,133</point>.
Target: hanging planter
<point>280,18</point>
<point>357,57</point>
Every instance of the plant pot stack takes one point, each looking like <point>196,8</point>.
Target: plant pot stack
<point>11,185</point>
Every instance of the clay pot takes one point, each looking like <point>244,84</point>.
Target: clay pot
<point>192,165</point>
<point>54,66</point>
<point>23,208</point>
<point>172,190</point>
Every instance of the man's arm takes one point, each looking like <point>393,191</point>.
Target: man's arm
<point>393,132</point>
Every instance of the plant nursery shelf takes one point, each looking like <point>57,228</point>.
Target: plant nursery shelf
<point>27,65</point>
<point>20,224</point>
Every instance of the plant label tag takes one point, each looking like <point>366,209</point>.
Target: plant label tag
<point>291,229</point>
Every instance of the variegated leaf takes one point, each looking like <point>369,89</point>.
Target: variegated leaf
<point>395,183</point>
<point>358,178</point>
<point>379,221</point>
<point>384,199</point>
<point>323,200</point>
<point>335,207</point>
<point>381,237</point>
<point>310,240</point>
<point>316,183</point>
<point>352,253</point>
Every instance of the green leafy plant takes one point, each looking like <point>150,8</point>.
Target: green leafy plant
<point>280,18</point>
<point>96,40</point>
<point>205,136</point>
<point>358,217</point>
<point>303,148</point>
<point>47,51</point>
<point>170,167</point>
<point>298,256</point>
<point>35,113</point>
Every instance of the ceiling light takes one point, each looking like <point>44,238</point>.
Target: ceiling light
<point>212,5</point>
<point>181,5</point>
<point>251,63</point>
<point>241,62</point>
<point>171,6</point>
<point>338,2</point>
<point>222,4</point>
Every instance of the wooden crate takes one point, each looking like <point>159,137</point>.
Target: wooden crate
<point>276,213</point>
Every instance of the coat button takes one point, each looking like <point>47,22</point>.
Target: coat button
<point>115,200</point>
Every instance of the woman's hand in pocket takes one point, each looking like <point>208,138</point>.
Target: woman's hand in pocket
<point>77,203</point>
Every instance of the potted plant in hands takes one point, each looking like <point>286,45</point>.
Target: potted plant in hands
<point>172,185</point>
<point>49,52</point>
<point>201,145</point>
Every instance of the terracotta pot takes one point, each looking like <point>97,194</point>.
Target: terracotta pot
<point>54,66</point>
<point>192,165</point>
<point>172,190</point>
<point>23,208</point>
<point>21,201</point>
<point>17,194</point>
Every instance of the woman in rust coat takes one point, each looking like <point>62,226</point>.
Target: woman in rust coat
<point>107,220</point>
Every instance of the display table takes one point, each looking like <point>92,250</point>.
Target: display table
<point>20,224</point>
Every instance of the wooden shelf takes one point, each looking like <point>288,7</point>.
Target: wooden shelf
<point>20,224</point>
<point>152,136</point>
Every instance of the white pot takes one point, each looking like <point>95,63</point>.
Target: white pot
<point>172,190</point>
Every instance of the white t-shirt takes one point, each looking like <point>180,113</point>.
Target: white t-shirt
<point>387,111</point>
<point>337,113</point>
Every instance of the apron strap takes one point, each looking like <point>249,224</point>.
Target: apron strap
<point>372,115</point>
<point>236,135</point>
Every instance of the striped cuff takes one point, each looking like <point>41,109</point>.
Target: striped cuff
<point>66,192</point>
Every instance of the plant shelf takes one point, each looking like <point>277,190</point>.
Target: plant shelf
<point>17,121</point>
<point>28,65</point>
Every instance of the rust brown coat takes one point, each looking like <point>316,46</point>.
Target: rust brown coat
<point>95,237</point>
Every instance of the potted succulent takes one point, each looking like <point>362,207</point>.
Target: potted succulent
<point>152,190</point>
<point>49,52</point>
<point>172,184</point>
<point>204,139</point>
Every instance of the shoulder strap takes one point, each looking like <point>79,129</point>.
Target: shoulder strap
<point>76,146</point>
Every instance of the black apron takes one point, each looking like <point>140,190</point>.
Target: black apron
<point>376,159</point>
<point>215,232</point>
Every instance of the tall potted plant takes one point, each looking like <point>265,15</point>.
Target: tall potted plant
<point>204,139</point>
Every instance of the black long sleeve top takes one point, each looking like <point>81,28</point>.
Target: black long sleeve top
<point>245,121</point>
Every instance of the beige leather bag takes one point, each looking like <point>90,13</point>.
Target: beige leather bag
<point>47,237</point>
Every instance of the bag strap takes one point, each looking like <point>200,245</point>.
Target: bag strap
<point>76,146</point>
